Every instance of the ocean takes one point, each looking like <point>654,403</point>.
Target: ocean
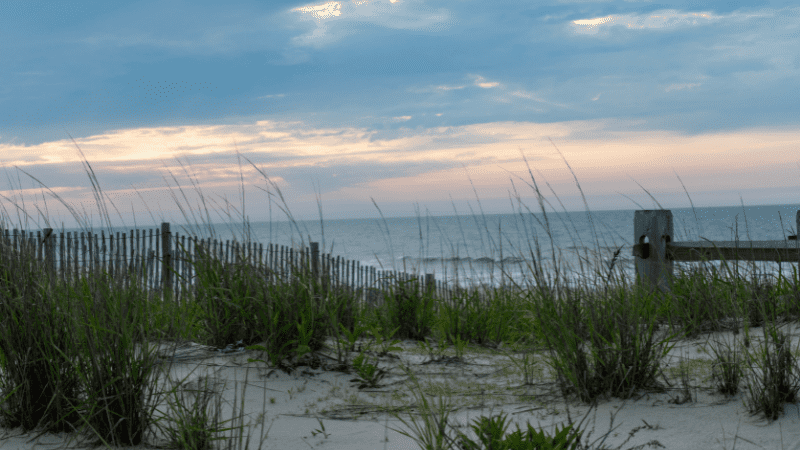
<point>472,244</point>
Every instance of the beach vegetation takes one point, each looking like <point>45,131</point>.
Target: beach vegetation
<point>77,357</point>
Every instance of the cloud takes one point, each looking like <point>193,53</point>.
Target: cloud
<point>336,20</point>
<point>662,19</point>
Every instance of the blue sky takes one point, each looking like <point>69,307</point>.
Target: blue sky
<point>398,101</point>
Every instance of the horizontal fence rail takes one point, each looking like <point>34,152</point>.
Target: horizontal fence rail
<point>78,254</point>
<point>655,251</point>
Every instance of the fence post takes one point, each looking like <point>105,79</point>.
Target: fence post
<point>48,254</point>
<point>430,284</point>
<point>653,270</point>
<point>166,265</point>
<point>315,260</point>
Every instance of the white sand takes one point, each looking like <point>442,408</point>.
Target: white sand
<point>353,421</point>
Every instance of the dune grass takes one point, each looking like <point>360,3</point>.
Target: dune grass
<point>75,355</point>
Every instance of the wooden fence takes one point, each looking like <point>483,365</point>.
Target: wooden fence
<point>176,253</point>
<point>655,251</point>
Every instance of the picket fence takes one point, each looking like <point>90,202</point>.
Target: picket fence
<point>154,254</point>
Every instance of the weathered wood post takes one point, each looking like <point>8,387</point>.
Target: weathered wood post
<point>653,269</point>
<point>49,243</point>
<point>430,284</point>
<point>315,266</point>
<point>314,260</point>
<point>430,287</point>
<point>166,265</point>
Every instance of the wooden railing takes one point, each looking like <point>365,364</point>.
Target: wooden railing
<point>77,254</point>
<point>655,251</point>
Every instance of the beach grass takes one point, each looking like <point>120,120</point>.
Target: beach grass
<point>75,354</point>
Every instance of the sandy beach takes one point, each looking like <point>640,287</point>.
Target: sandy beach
<point>318,408</point>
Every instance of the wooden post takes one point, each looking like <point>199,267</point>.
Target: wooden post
<point>166,265</point>
<point>653,270</point>
<point>315,260</point>
<point>48,254</point>
<point>430,284</point>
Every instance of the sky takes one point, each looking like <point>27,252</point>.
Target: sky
<point>416,106</point>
